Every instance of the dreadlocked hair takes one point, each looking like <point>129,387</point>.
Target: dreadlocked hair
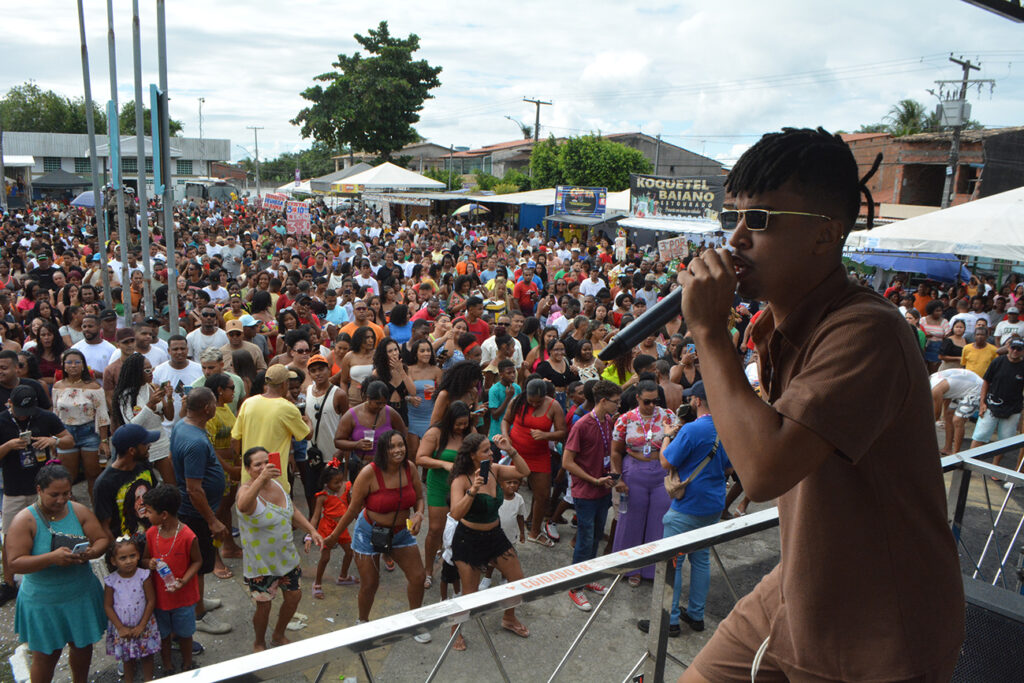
<point>815,159</point>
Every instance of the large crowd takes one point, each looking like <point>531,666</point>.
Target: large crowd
<point>366,384</point>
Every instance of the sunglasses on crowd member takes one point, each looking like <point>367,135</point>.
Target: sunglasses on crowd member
<point>648,401</point>
<point>757,219</point>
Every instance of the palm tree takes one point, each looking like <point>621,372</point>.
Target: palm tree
<point>907,117</point>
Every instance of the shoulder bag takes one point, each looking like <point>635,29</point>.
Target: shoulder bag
<point>313,452</point>
<point>675,487</point>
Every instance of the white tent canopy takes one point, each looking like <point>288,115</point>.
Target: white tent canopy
<point>387,176</point>
<point>293,189</point>
<point>992,227</point>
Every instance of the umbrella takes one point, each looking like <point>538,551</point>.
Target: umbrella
<point>943,267</point>
<point>470,208</point>
<point>86,199</point>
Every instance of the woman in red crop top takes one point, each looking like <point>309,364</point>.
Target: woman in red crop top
<point>386,494</point>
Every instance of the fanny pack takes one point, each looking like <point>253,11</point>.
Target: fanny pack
<point>676,488</point>
<point>382,538</point>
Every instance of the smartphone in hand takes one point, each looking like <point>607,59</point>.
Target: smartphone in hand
<point>80,548</point>
<point>275,460</point>
<point>485,470</point>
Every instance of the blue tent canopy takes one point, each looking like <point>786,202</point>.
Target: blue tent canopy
<point>942,267</point>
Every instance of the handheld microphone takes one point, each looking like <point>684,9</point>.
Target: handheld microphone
<point>649,323</point>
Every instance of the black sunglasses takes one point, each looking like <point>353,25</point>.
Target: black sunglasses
<point>648,401</point>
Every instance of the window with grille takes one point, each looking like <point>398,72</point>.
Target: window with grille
<point>149,164</point>
<point>51,164</point>
<point>184,167</point>
<point>82,165</point>
<point>129,165</point>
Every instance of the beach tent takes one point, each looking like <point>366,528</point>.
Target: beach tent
<point>388,176</point>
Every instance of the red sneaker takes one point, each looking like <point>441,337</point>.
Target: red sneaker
<point>580,600</point>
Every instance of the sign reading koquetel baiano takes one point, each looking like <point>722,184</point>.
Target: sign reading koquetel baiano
<point>653,196</point>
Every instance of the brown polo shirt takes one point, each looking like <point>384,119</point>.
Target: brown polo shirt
<point>869,584</point>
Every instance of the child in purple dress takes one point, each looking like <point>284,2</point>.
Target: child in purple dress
<point>129,600</point>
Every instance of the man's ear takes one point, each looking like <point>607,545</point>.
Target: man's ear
<point>831,234</point>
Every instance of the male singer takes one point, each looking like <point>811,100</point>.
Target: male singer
<point>868,587</point>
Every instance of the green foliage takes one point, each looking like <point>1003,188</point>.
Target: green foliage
<point>546,164</point>
<point>126,120</point>
<point>312,163</point>
<point>370,102</point>
<point>517,178</point>
<point>588,160</point>
<point>485,181</point>
<point>27,108</point>
<point>505,188</point>
<point>909,117</point>
<point>442,176</point>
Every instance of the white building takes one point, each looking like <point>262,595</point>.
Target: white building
<point>190,157</point>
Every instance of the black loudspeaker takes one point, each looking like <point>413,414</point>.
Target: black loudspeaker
<point>993,647</point>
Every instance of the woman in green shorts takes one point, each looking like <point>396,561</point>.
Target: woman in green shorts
<point>437,452</point>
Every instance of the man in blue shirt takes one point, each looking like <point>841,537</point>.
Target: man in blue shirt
<point>200,479</point>
<point>700,506</point>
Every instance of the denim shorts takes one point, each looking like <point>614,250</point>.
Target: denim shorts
<point>181,621</point>
<point>86,438</point>
<point>989,425</point>
<point>361,537</point>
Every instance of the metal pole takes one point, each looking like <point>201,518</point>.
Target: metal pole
<point>954,149</point>
<point>90,124</point>
<point>256,139</point>
<point>115,167</point>
<point>140,137</point>
<point>202,143</point>
<point>451,165</point>
<point>168,199</point>
<point>583,631</point>
<point>657,154</point>
<point>3,174</point>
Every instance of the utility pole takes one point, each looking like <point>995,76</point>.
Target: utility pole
<point>3,183</point>
<point>954,148</point>
<point>256,139</point>
<point>202,143</point>
<point>657,154</point>
<point>451,165</point>
<point>536,124</point>
<point>168,181</point>
<point>114,147</point>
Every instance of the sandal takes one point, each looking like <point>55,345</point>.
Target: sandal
<point>541,539</point>
<point>346,580</point>
<point>634,580</point>
<point>223,572</point>
<point>428,582</point>
<point>517,629</point>
<point>389,564</point>
<point>318,592</point>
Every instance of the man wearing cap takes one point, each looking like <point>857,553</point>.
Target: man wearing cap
<point>21,458</point>
<point>108,325</point>
<point>270,421</point>
<point>1002,398</point>
<point>43,273</point>
<point>117,493</point>
<point>208,335</point>
<point>235,330</point>
<point>97,351</point>
<point>1012,327</point>
<point>695,451</point>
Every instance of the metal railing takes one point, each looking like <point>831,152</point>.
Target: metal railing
<point>320,650</point>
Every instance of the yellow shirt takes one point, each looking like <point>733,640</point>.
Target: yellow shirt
<point>218,428</point>
<point>270,423</point>
<point>977,360</point>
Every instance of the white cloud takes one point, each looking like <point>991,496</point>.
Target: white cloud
<point>709,76</point>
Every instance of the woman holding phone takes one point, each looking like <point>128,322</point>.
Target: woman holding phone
<point>387,507</point>
<point>476,496</point>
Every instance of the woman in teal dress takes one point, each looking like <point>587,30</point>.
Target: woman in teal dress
<point>437,453</point>
<point>60,601</point>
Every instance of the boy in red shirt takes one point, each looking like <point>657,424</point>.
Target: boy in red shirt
<point>170,541</point>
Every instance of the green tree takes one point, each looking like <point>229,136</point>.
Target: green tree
<point>442,175</point>
<point>312,163</point>
<point>126,120</point>
<point>546,164</point>
<point>370,102</point>
<point>907,117</point>
<point>588,160</point>
<point>28,108</point>
<point>517,178</point>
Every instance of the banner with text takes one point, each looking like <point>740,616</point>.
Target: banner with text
<point>663,197</point>
<point>274,201</point>
<point>297,218</point>
<point>581,201</point>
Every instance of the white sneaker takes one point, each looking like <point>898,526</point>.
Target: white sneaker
<point>485,583</point>
<point>1008,485</point>
<point>212,603</point>
<point>210,625</point>
<point>551,530</point>
<point>422,638</point>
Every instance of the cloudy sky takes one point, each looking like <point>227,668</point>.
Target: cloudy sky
<point>709,76</point>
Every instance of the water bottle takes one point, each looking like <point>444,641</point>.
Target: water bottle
<point>623,503</point>
<point>165,573</point>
